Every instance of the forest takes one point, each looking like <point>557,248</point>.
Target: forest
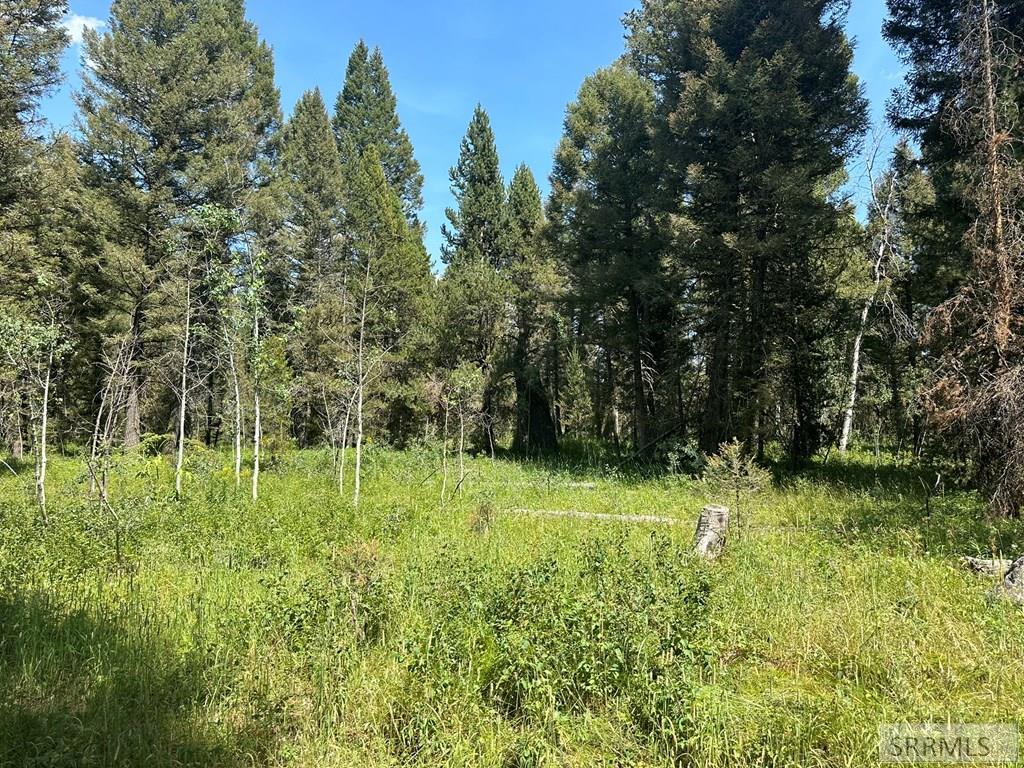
<point>302,494</point>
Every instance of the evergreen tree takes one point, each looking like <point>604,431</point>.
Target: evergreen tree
<point>535,284</point>
<point>365,116</point>
<point>477,229</point>
<point>475,291</point>
<point>31,42</point>
<point>391,283</point>
<point>758,114</point>
<point>609,231</point>
<point>311,190</point>
<point>178,108</point>
<point>928,36</point>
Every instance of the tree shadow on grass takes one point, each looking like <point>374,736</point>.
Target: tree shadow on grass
<point>80,691</point>
<point>587,459</point>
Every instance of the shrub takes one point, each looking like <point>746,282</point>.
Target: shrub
<point>620,628</point>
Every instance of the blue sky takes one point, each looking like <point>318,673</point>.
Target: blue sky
<point>524,61</point>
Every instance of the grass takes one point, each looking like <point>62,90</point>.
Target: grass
<point>298,631</point>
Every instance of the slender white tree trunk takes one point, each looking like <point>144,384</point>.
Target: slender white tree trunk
<point>462,447</point>
<point>361,384</point>
<point>41,457</point>
<point>359,446</point>
<point>444,456</point>
<point>851,403</point>
<point>183,397</point>
<point>95,442</point>
<point>344,446</point>
<point>858,343</point>
<point>238,417</point>
<point>257,430</point>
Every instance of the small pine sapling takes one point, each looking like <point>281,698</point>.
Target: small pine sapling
<point>734,474</point>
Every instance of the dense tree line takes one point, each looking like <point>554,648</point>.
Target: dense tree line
<point>191,266</point>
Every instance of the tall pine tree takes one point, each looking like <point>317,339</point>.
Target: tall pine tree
<point>475,290</point>
<point>365,115</point>
<point>758,113</point>
<point>535,286</point>
<point>609,230</point>
<point>178,107</point>
<point>316,264</point>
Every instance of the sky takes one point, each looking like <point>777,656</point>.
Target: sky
<point>523,61</point>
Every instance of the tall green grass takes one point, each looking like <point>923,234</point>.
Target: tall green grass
<point>298,631</point>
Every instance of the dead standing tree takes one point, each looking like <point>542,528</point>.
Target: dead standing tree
<point>977,394</point>
<point>886,261</point>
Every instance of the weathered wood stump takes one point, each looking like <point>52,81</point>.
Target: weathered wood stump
<point>1012,587</point>
<point>1009,572</point>
<point>712,527</point>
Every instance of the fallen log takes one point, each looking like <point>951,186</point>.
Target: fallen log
<point>712,528</point>
<point>985,566</point>
<point>596,516</point>
<point>1009,572</point>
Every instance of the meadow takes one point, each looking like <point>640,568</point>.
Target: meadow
<point>298,631</point>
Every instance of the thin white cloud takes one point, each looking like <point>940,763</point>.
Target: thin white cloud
<point>76,26</point>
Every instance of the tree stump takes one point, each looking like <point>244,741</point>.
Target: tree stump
<point>1012,587</point>
<point>712,527</point>
<point>1009,572</point>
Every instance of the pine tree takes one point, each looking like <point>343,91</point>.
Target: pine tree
<point>477,228</point>
<point>609,231</point>
<point>389,284</point>
<point>311,190</point>
<point>975,395</point>
<point>535,286</point>
<point>475,291</point>
<point>365,115</point>
<point>31,42</point>
<point>312,187</point>
<point>178,109</point>
<point>758,112</point>
<point>927,35</point>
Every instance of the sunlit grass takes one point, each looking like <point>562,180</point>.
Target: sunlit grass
<point>300,631</point>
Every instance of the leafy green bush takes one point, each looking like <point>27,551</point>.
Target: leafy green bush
<point>566,639</point>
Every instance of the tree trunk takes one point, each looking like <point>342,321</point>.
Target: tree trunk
<point>133,415</point>
<point>344,446</point>
<point>41,457</point>
<point>535,432</point>
<point>444,457</point>
<point>361,384</point>
<point>851,402</point>
<point>640,413</point>
<point>462,446</point>
<point>858,341</point>
<point>183,394</point>
<point>715,424</point>
<point>1003,294</point>
<point>18,440</point>
<point>238,417</point>
<point>133,410</point>
<point>712,528</point>
<point>257,431</point>
<point>487,414</point>
<point>359,447</point>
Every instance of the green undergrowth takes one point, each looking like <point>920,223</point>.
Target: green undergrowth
<point>298,630</point>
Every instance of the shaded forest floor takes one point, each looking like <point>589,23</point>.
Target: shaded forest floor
<point>298,631</point>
